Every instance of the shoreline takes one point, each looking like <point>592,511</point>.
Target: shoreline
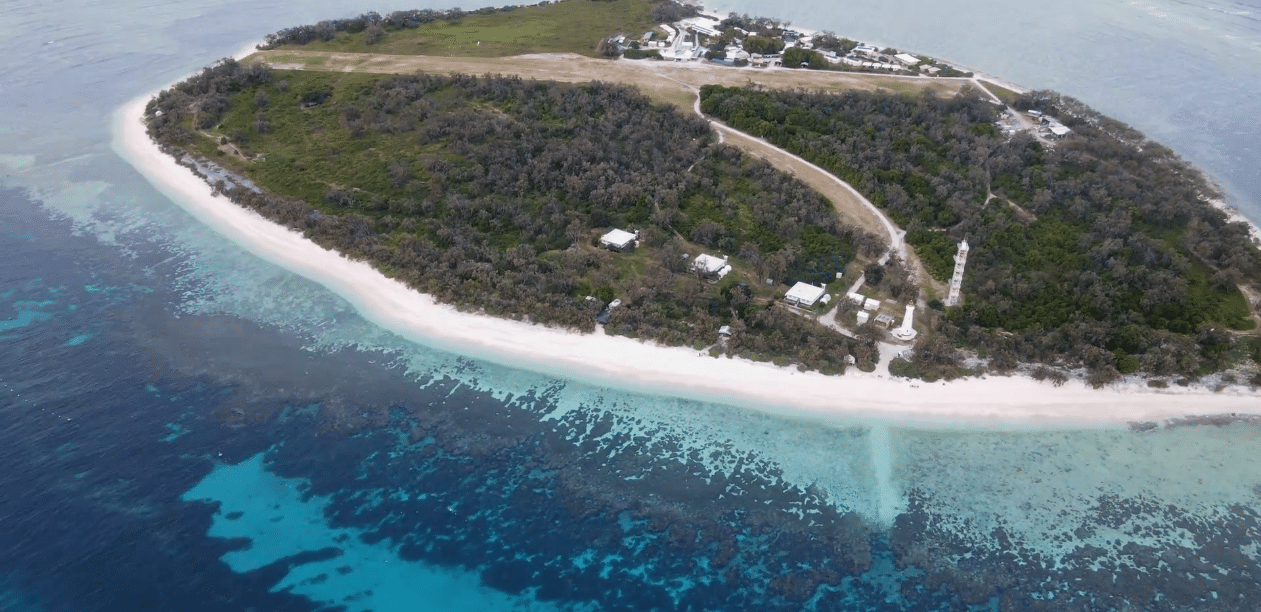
<point>630,365</point>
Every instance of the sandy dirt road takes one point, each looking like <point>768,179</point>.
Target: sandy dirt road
<point>670,82</point>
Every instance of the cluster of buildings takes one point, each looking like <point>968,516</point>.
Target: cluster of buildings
<point>1044,126</point>
<point>685,41</point>
<point>1049,126</point>
<point>801,295</point>
<point>904,332</point>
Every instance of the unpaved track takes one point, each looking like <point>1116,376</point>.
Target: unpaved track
<point>670,82</point>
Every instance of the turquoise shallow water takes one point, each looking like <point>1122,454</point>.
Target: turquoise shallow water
<point>187,426</point>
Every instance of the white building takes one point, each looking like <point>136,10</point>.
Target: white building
<point>871,304</point>
<point>711,266</point>
<point>619,240</point>
<point>863,317</point>
<point>701,25</point>
<point>907,58</point>
<point>856,298</point>
<point>906,333</point>
<point>804,295</point>
<point>956,281</point>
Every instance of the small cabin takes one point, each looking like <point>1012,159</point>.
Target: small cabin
<point>710,267</point>
<point>803,295</point>
<point>620,240</point>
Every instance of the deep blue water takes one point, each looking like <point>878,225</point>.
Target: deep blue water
<point>184,426</point>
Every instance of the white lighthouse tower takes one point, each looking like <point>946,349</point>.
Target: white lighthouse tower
<point>906,333</point>
<point>956,281</point>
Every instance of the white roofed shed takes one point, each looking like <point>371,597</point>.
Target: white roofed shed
<point>619,239</point>
<point>711,266</point>
<point>804,295</point>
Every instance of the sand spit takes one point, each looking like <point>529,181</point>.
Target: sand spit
<point>630,365</point>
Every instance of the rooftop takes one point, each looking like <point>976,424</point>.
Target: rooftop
<point>804,293</point>
<point>618,238</point>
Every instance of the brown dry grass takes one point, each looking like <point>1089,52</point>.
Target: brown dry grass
<point>670,82</point>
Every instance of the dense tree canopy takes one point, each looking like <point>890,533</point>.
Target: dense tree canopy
<point>490,192</point>
<point>1102,242</point>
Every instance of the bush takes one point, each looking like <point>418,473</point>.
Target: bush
<point>1126,363</point>
<point>1102,376</point>
<point>874,274</point>
<point>1056,377</point>
<point>763,45</point>
<point>641,54</point>
<point>903,368</point>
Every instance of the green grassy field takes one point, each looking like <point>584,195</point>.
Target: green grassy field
<point>307,151</point>
<point>573,26</point>
<point>1006,95</point>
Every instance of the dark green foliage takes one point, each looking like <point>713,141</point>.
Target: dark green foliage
<point>763,26</point>
<point>372,23</point>
<point>489,192</point>
<point>828,41</point>
<point>763,45</point>
<point>901,367</point>
<point>1103,232</point>
<point>669,11</point>
<point>1126,364</point>
<point>641,54</point>
<point>936,250</point>
<point>797,57</point>
<point>822,255</point>
<point>873,274</point>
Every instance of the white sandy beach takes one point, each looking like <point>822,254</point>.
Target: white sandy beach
<point>631,365</point>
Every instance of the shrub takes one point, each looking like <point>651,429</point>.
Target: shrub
<point>901,367</point>
<point>642,54</point>
<point>874,274</point>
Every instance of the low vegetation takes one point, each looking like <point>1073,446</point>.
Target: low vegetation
<point>491,194</point>
<point>1100,251</point>
<point>574,26</point>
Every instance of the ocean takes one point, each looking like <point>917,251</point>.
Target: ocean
<point>189,427</point>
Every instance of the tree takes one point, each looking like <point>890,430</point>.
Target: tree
<point>373,34</point>
<point>607,48</point>
<point>796,57</point>
<point>873,274</point>
<point>763,45</point>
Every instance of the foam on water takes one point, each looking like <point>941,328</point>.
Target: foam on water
<point>281,522</point>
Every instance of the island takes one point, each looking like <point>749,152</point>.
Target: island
<point>757,195</point>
